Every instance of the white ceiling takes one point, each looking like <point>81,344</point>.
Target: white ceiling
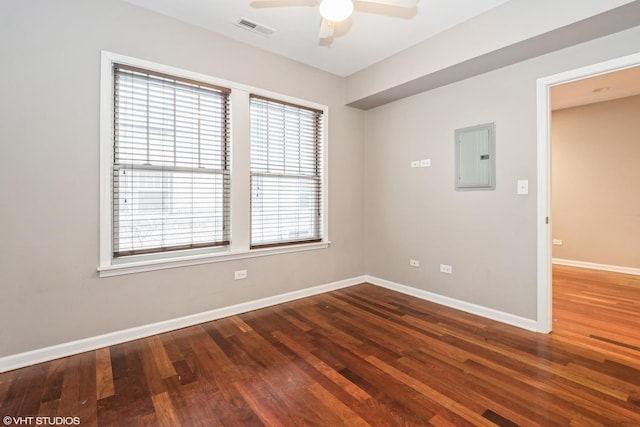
<point>373,33</point>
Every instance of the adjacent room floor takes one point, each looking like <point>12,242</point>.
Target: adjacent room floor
<point>360,356</point>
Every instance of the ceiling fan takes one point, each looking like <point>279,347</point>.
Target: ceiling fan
<point>333,11</point>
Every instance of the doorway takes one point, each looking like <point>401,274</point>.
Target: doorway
<point>544,265</point>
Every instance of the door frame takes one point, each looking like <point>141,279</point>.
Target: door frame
<point>544,227</point>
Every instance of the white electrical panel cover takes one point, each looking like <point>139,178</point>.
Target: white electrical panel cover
<point>475,157</point>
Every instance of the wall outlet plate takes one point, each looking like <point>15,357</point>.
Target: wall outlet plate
<point>523,186</point>
<point>447,269</point>
<point>240,274</point>
<point>414,263</point>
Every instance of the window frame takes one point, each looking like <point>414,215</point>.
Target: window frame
<point>139,155</point>
<point>265,108</point>
<point>239,151</point>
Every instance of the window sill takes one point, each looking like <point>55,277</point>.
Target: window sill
<point>184,261</point>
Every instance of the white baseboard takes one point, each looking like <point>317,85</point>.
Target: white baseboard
<point>46,354</point>
<point>9,363</point>
<point>594,266</point>
<point>479,310</point>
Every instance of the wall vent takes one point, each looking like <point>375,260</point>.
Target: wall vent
<point>255,27</point>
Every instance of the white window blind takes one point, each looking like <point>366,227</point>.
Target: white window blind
<point>170,163</point>
<point>286,173</point>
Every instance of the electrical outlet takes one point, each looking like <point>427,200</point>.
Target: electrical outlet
<point>444,268</point>
<point>425,163</point>
<point>240,274</point>
<point>557,242</point>
<point>414,263</point>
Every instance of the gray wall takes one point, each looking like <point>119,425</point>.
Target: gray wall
<point>49,180</point>
<point>596,182</point>
<point>489,237</point>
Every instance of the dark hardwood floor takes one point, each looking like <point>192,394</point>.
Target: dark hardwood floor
<point>361,356</point>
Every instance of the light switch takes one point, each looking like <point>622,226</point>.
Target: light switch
<point>415,163</point>
<point>523,186</point>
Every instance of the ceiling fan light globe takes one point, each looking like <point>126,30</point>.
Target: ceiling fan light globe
<point>336,10</point>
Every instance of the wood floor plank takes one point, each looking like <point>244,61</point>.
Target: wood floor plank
<point>50,409</point>
<point>164,411</point>
<point>361,356</point>
<point>429,392</point>
<point>104,374</point>
<point>70,396</point>
<point>324,369</point>
<point>334,411</point>
<point>53,383</point>
<point>24,394</point>
<point>87,400</point>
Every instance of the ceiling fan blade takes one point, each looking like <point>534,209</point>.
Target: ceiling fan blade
<point>397,3</point>
<point>282,3</point>
<point>326,28</point>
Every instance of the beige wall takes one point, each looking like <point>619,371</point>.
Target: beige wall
<point>489,237</point>
<point>596,182</point>
<point>50,292</point>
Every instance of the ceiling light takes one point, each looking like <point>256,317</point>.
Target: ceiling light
<point>336,10</point>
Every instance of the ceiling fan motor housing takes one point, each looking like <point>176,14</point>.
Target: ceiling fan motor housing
<point>336,10</point>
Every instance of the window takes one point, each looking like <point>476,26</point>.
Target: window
<point>286,178</point>
<point>170,163</point>
<point>182,182</point>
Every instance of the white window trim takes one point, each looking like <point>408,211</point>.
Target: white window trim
<point>240,187</point>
